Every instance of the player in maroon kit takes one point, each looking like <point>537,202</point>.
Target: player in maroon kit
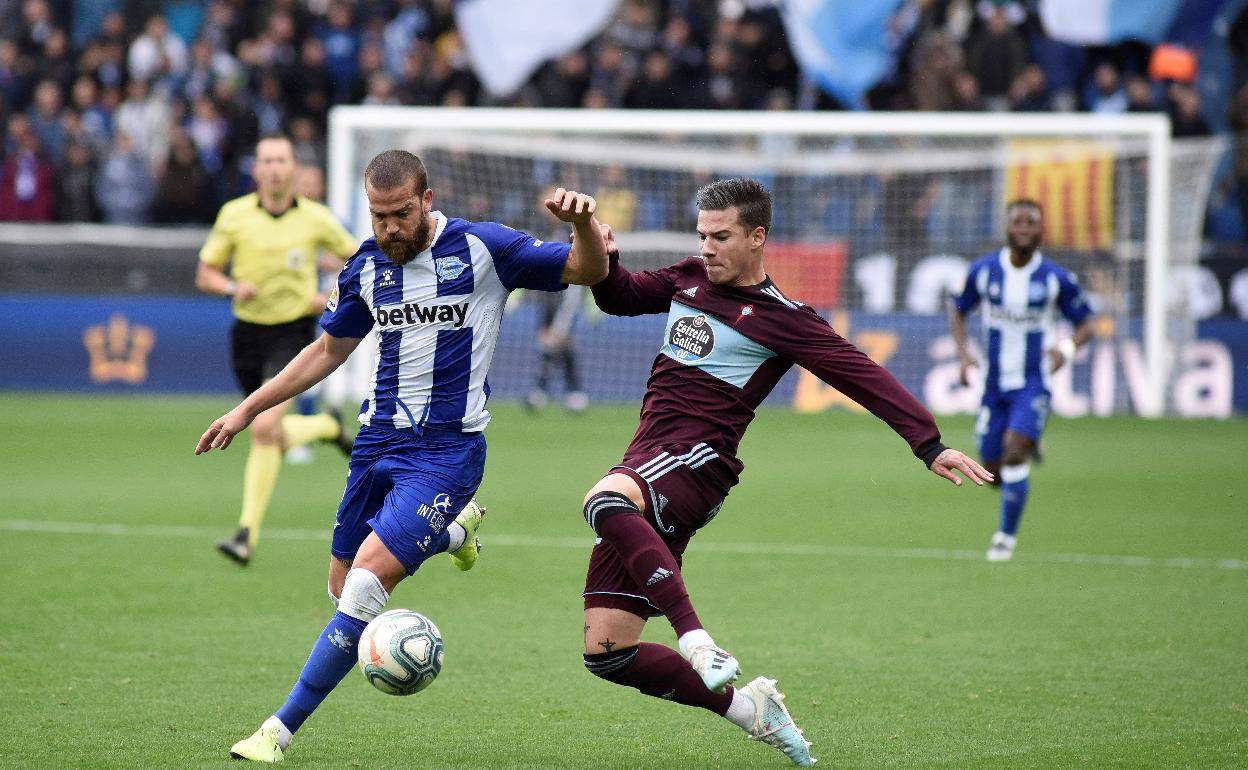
<point>731,335</point>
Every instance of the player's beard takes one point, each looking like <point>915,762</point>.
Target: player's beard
<point>400,251</point>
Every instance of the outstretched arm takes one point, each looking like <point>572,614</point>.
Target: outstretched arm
<point>957,329</point>
<point>587,260</point>
<point>313,364</point>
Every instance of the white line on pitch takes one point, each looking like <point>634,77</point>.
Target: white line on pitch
<point>583,543</point>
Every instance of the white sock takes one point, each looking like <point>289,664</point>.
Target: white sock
<point>457,534</point>
<point>695,638</point>
<point>741,710</point>
<point>283,735</point>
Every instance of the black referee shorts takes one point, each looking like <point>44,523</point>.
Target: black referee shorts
<point>259,352</point>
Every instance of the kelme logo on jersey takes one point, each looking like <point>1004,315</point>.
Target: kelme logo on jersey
<point>691,338</point>
<point>414,314</point>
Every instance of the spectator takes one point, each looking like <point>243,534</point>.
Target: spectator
<point>308,88</point>
<point>269,105</point>
<point>612,73</point>
<point>76,185</point>
<point>37,26</point>
<point>380,90</point>
<point>56,62</point>
<point>1107,92</point>
<point>723,85</point>
<point>658,87</point>
<point>1029,93</point>
<point>16,75</point>
<point>1140,96</point>
<point>686,56</point>
<point>933,81</point>
<point>1186,119</point>
<point>157,53</point>
<point>184,194</point>
<point>208,65</point>
<point>563,82</point>
<point>96,121</point>
<point>124,185</point>
<point>635,28</point>
<point>27,179</point>
<point>308,143</point>
<point>342,51</point>
<point>401,35</point>
<point>996,58</point>
<point>46,115</point>
<point>208,130</point>
<point>144,118</point>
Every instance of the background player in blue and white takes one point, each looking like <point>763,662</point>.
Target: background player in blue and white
<point>1022,294</point>
<point>434,288</point>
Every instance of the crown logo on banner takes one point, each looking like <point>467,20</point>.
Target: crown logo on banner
<point>119,350</point>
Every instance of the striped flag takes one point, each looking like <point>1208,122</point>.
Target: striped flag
<point>1073,181</point>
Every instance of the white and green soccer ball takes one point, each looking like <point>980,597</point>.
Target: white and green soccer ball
<point>400,652</point>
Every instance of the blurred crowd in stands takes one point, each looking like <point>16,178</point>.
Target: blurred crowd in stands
<point>146,111</point>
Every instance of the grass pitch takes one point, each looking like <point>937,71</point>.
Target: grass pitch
<point>1117,638</point>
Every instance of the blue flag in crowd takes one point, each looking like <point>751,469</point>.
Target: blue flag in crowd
<point>1099,22</point>
<point>841,44</point>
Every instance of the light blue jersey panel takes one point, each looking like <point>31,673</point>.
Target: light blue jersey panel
<point>700,340</point>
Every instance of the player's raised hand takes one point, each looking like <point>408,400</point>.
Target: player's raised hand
<point>222,431</point>
<point>952,460</point>
<point>571,206</point>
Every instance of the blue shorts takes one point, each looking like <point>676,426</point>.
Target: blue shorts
<point>407,489</point>
<point>1023,411</point>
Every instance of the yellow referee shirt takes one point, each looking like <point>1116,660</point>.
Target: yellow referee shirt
<point>275,254</point>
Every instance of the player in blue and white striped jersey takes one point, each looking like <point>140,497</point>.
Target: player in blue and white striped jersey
<point>1022,294</point>
<point>433,288</point>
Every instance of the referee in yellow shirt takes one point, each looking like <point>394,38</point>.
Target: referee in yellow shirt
<point>270,240</point>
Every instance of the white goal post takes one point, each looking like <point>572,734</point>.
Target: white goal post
<point>807,153</point>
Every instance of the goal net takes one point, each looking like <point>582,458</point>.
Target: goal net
<point>877,217</point>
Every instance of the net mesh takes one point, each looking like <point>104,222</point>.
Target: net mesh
<point>875,232</point>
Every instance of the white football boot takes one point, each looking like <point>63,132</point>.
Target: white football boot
<point>772,723</point>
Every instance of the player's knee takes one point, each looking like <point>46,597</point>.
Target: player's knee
<point>267,433</point>
<point>362,596</point>
<point>603,505</point>
<point>609,665</point>
<point>333,597</point>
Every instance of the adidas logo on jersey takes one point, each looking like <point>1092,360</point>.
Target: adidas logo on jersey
<point>692,290</point>
<point>659,574</point>
<point>412,313</point>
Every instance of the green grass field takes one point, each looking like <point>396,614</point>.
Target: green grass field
<point>1117,638</point>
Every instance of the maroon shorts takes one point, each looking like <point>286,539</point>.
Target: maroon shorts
<point>683,490</point>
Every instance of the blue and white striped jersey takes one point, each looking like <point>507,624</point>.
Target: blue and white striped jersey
<point>1020,316</point>
<point>437,319</point>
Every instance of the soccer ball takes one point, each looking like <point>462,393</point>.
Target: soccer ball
<point>400,652</point>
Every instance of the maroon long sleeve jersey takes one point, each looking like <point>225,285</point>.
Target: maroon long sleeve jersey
<point>726,347</point>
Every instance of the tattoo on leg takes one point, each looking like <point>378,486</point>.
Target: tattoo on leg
<point>586,632</point>
<point>607,644</point>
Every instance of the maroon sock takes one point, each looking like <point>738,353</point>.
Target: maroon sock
<point>660,672</point>
<point>652,566</point>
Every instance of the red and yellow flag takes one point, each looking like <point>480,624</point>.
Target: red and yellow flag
<point>1073,181</point>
